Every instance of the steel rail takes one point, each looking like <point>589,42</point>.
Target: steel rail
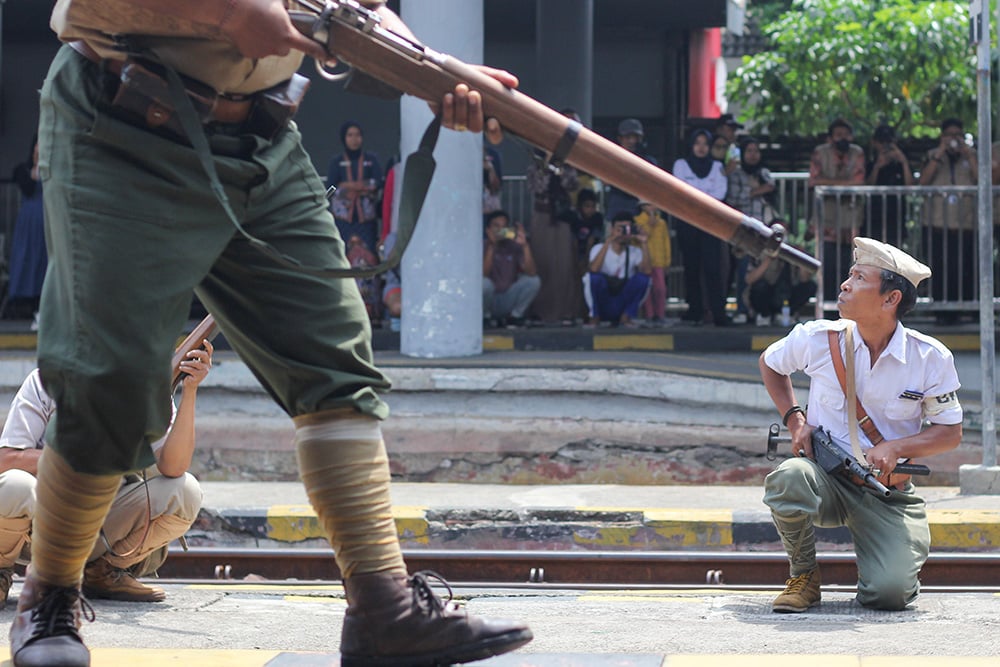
<point>952,571</point>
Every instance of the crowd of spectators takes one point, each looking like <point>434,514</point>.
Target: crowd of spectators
<point>595,255</point>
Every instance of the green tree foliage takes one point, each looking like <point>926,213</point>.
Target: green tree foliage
<point>904,62</point>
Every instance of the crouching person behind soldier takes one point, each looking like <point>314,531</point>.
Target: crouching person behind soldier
<point>137,529</point>
<point>902,378</point>
<point>618,277</point>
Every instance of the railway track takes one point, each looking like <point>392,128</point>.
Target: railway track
<point>589,569</point>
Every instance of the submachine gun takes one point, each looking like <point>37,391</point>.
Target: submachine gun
<point>833,459</point>
<point>388,64</point>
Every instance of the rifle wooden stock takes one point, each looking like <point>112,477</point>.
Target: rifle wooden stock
<point>424,73</point>
<point>207,328</point>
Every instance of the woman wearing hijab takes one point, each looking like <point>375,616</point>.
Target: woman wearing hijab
<point>357,176</point>
<point>704,256</point>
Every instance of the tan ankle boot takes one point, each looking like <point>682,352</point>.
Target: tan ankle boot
<point>46,627</point>
<point>101,579</point>
<point>395,621</point>
<point>801,592</point>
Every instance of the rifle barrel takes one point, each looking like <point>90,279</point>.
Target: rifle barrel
<point>430,75</point>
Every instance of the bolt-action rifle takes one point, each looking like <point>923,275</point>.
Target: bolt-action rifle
<point>207,328</point>
<point>835,460</point>
<point>353,35</point>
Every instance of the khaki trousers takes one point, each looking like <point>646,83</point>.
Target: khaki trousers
<point>173,506</point>
<point>891,535</point>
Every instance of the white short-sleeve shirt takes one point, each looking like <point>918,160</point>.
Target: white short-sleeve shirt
<point>29,416</point>
<point>614,262</point>
<point>914,379</point>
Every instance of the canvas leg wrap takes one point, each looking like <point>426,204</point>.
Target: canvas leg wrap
<point>345,469</point>
<point>70,508</point>
<point>799,537</point>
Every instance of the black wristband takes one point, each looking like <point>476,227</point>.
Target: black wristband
<point>791,411</point>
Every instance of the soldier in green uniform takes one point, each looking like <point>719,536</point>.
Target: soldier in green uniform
<point>135,225</point>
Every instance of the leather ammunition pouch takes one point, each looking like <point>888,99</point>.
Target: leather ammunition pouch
<point>143,98</point>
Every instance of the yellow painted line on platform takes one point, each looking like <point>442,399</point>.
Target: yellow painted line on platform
<point>960,342</point>
<point>635,342</point>
<point>18,341</point>
<point>692,528</point>
<point>158,657</point>
<point>926,661</point>
<point>761,660</point>
<point>411,524</point>
<point>293,523</point>
<point>760,343</point>
<point>680,527</point>
<point>597,597</point>
<point>237,587</point>
<point>498,342</point>
<point>964,528</point>
<point>315,598</point>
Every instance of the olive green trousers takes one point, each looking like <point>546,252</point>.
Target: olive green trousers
<point>133,228</point>
<point>891,535</point>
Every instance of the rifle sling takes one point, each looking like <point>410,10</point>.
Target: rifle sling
<point>864,421</point>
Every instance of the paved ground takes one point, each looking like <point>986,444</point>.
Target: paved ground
<point>705,391</point>
<point>298,625</point>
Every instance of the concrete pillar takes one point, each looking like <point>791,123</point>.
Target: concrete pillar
<point>443,266</point>
<point>565,55</point>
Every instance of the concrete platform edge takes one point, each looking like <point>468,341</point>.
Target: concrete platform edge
<point>569,528</point>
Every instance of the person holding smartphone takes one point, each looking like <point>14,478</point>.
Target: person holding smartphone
<point>510,277</point>
<point>888,166</point>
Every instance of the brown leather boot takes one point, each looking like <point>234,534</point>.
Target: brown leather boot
<point>46,627</point>
<point>101,579</point>
<point>6,578</point>
<point>395,621</point>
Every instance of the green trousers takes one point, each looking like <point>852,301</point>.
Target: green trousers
<point>133,228</point>
<point>891,535</point>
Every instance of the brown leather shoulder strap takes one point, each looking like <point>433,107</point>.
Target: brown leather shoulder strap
<point>864,421</point>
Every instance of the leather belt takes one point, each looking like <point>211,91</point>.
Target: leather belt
<point>226,110</point>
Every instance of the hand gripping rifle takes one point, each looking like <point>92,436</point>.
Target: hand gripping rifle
<point>207,328</point>
<point>835,460</point>
<point>353,35</point>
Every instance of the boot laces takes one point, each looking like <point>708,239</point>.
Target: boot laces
<point>54,614</point>
<point>424,597</point>
<point>798,583</point>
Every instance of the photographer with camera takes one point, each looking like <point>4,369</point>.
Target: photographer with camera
<point>510,280</point>
<point>619,272</point>
<point>888,166</point>
<point>949,218</point>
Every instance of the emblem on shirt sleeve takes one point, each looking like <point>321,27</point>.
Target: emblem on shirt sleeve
<point>934,405</point>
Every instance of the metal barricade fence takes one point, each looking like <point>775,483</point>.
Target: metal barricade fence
<point>937,225</point>
<point>791,198</point>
